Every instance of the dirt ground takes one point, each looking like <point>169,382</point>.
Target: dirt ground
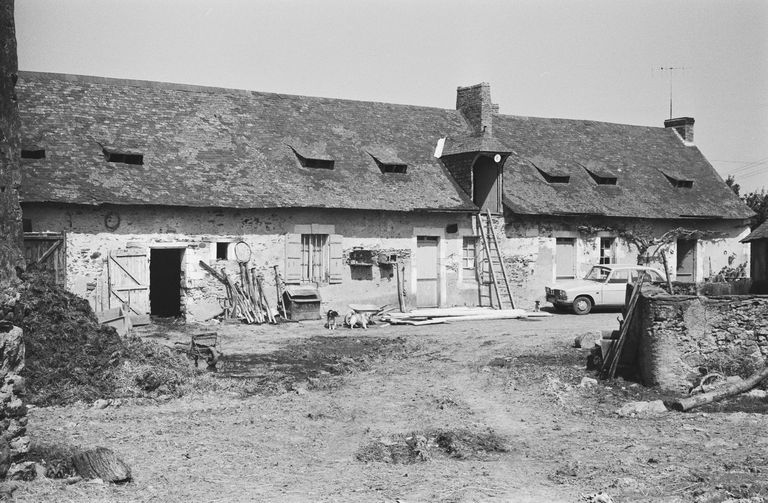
<point>299,413</point>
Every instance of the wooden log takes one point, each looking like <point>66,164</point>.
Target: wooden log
<point>101,463</point>
<point>718,394</point>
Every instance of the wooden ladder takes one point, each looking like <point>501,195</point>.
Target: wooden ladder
<point>498,282</point>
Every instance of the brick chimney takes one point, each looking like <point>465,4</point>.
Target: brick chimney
<point>474,103</point>
<point>683,126</point>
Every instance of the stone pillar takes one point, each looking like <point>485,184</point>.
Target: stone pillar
<point>14,442</point>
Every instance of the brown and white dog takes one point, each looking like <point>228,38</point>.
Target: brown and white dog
<point>330,318</point>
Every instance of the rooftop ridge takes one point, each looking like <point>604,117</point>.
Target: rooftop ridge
<point>155,84</point>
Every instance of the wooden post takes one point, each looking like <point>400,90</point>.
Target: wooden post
<point>666,271</point>
<point>400,301</point>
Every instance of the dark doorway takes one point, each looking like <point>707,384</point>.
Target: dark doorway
<point>165,282</point>
<point>485,184</point>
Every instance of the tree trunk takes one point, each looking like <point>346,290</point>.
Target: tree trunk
<point>101,463</point>
<point>726,391</point>
<point>10,148</point>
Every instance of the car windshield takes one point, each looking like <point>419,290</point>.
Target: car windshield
<point>598,274</point>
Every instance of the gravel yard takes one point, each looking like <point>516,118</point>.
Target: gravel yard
<point>469,411</point>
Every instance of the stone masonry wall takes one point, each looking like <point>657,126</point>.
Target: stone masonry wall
<point>14,442</point>
<point>197,230</point>
<point>676,335</point>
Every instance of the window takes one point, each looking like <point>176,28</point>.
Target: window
<point>33,153</point>
<point>222,250</point>
<point>621,276</point>
<point>468,254</point>
<point>554,177</point>
<point>123,157</point>
<point>676,179</point>
<point>315,257</point>
<point>314,161</point>
<point>602,179</point>
<point>607,251</point>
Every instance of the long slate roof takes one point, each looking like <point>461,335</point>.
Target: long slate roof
<point>217,147</point>
<point>228,148</point>
<point>639,157</point>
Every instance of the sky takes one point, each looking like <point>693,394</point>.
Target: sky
<point>596,60</point>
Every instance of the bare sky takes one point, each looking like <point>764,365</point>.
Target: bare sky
<point>591,59</point>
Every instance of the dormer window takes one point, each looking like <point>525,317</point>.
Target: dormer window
<point>677,180</point>
<point>114,155</point>
<point>602,179</point>
<point>311,160</point>
<point>32,152</point>
<point>553,175</point>
<point>680,184</point>
<point>389,164</point>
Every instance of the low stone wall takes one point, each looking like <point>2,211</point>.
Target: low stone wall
<point>14,442</point>
<point>672,336</point>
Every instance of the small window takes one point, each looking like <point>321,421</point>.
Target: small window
<point>315,257</point>
<point>602,179</point>
<point>314,162</point>
<point>607,250</point>
<point>469,249</point>
<point>123,157</point>
<point>222,250</point>
<point>679,182</point>
<point>621,276</point>
<point>554,177</point>
<point>33,153</point>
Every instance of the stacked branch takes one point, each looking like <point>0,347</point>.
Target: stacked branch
<point>246,297</point>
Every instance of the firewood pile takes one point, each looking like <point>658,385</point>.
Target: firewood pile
<point>246,299</point>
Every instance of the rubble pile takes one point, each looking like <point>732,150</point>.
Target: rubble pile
<point>71,357</point>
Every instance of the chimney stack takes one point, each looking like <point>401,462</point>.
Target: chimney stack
<point>474,103</point>
<point>683,126</point>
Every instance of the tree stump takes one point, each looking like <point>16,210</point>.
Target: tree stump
<point>101,463</point>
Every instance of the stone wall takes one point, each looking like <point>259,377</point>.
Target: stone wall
<point>10,174</point>
<point>673,336</point>
<point>14,442</point>
<point>198,230</point>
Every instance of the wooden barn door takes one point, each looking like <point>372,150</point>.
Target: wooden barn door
<point>46,252</point>
<point>128,272</point>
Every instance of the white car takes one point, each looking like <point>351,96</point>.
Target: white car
<point>604,285</point>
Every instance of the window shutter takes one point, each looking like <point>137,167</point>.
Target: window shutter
<point>292,258</point>
<point>336,261</point>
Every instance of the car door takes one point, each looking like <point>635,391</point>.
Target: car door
<point>615,288</point>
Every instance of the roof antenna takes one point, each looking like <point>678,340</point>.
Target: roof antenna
<point>670,69</point>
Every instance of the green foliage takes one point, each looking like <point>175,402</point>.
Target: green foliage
<point>758,201</point>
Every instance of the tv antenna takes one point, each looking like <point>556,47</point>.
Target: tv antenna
<point>670,69</point>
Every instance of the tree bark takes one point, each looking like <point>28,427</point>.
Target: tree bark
<point>726,391</point>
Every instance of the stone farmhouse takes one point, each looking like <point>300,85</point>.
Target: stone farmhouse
<point>140,181</point>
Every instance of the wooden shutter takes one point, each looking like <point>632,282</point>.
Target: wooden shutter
<point>336,256</point>
<point>292,259</point>
<point>129,279</point>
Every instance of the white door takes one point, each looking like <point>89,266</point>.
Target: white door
<point>427,282</point>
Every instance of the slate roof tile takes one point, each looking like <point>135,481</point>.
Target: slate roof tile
<point>760,233</point>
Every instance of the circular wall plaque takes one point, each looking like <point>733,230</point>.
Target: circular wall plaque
<point>497,158</point>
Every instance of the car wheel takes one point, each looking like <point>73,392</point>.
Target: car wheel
<point>582,305</point>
